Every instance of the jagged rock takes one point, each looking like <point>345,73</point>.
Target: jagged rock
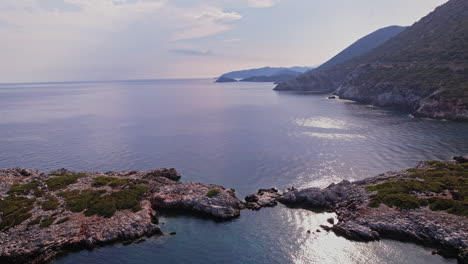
<point>354,231</point>
<point>171,174</point>
<point>463,257</point>
<point>263,198</point>
<point>60,172</point>
<point>193,197</point>
<point>461,159</point>
<point>357,221</point>
<point>323,198</point>
<point>326,228</point>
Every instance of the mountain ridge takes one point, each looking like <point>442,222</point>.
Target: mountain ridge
<point>423,70</point>
<point>265,71</point>
<point>363,45</point>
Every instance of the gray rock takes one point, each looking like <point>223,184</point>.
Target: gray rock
<point>461,159</point>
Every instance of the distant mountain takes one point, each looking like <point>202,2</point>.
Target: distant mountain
<point>364,45</point>
<point>266,71</point>
<point>225,80</point>
<point>281,76</point>
<point>358,48</point>
<point>424,69</point>
<point>300,69</point>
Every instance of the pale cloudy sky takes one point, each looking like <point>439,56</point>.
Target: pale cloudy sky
<point>68,40</point>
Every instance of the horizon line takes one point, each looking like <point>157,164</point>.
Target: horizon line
<point>108,81</point>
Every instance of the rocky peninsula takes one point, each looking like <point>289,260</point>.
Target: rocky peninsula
<point>43,215</point>
<point>426,205</point>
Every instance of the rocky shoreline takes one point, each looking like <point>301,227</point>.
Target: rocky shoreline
<point>36,230</point>
<point>360,220</point>
<point>43,215</point>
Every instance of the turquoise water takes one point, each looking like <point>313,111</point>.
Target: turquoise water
<point>239,135</point>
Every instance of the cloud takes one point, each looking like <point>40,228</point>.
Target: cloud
<point>59,5</point>
<point>232,40</point>
<point>262,3</point>
<point>46,38</point>
<point>204,22</point>
<point>94,15</point>
<point>192,52</point>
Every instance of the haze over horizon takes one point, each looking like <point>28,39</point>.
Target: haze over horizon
<point>73,40</point>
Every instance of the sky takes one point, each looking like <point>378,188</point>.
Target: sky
<point>86,40</point>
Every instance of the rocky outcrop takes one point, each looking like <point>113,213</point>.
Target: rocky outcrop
<point>45,214</point>
<point>193,197</point>
<point>443,108</point>
<point>359,220</point>
<point>263,198</point>
<point>461,159</point>
<point>170,174</point>
<point>327,198</point>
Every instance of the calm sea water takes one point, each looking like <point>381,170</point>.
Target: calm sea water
<point>239,135</point>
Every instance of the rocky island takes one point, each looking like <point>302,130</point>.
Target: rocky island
<point>43,215</point>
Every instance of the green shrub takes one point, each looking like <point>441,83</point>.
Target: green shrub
<point>451,206</point>
<point>15,210</point>
<point>439,178</point>
<point>104,207</point>
<point>129,199</point>
<point>62,181</point>
<point>24,189</point>
<point>50,204</point>
<point>35,221</point>
<point>63,220</point>
<point>118,182</point>
<point>115,181</point>
<point>403,201</point>
<point>95,204</point>
<point>138,181</point>
<point>102,181</point>
<point>212,193</point>
<point>77,201</point>
<point>374,203</point>
<point>47,222</point>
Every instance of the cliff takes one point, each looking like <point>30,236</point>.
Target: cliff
<point>423,70</point>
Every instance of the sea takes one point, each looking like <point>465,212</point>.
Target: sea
<point>243,136</point>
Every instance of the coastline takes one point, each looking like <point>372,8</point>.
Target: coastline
<point>33,241</point>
